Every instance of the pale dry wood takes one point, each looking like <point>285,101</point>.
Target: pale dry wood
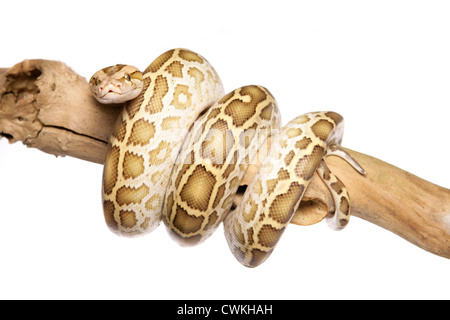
<point>48,106</point>
<point>415,209</point>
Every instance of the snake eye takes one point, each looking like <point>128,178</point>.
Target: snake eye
<point>127,77</point>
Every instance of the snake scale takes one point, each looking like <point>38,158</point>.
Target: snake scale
<point>181,146</point>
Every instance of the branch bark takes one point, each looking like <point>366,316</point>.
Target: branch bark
<point>46,105</point>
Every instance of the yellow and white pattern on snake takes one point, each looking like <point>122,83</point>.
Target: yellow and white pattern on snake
<point>147,141</point>
<point>147,137</point>
<point>271,199</point>
<point>213,160</point>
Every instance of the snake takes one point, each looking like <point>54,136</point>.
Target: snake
<point>181,146</point>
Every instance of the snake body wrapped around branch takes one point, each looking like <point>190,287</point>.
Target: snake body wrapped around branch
<point>181,147</point>
<point>48,106</point>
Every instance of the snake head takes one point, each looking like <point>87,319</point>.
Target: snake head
<point>116,84</point>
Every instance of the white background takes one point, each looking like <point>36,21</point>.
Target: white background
<point>384,65</point>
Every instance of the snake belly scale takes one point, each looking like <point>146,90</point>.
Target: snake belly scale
<point>180,148</point>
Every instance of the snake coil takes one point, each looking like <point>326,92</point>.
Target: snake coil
<point>180,148</point>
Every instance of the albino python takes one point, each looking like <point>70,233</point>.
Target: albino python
<point>181,147</point>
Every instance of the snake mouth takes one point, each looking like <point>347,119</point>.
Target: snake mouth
<point>109,89</point>
<point>110,92</point>
<point>115,95</point>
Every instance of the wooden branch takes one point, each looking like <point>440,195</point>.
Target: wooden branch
<point>48,106</point>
